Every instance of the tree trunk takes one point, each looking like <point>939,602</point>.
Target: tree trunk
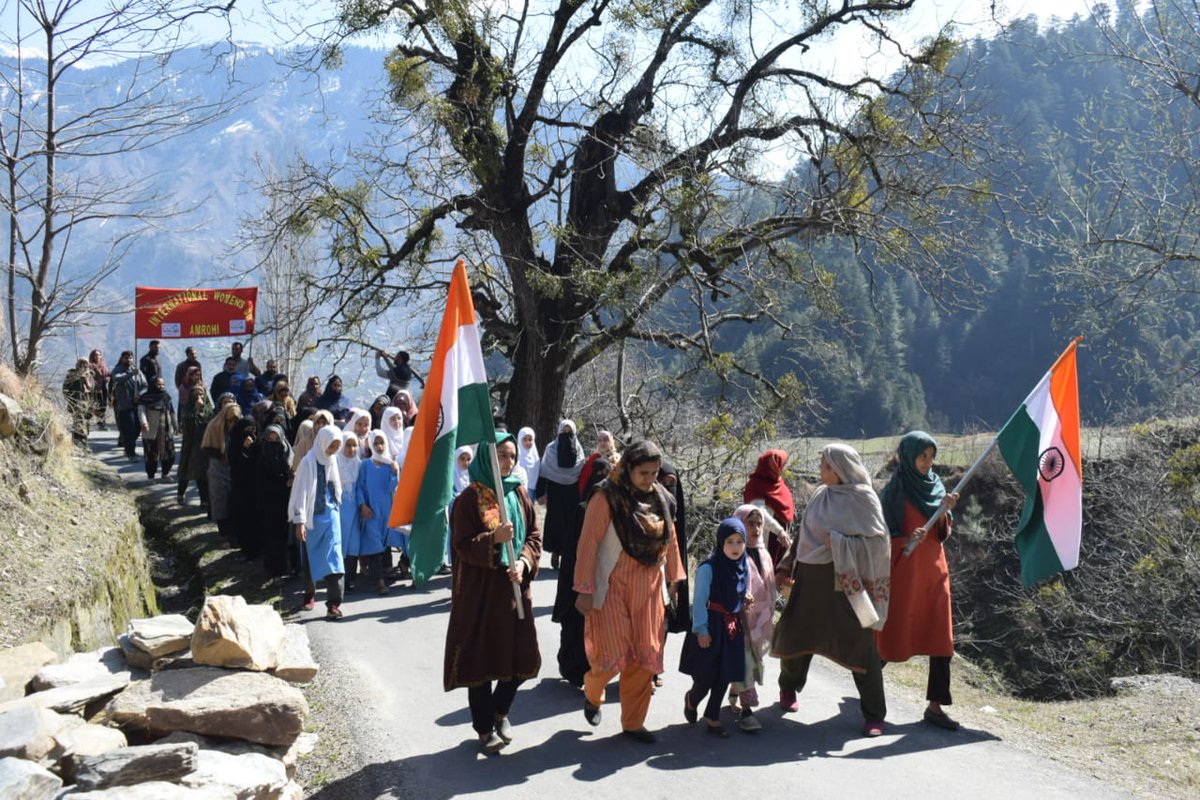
<point>539,385</point>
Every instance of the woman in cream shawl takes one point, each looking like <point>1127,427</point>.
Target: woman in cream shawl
<point>840,567</point>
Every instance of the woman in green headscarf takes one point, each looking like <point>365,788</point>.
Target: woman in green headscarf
<point>919,619</point>
<point>485,641</point>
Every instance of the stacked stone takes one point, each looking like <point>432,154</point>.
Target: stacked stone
<point>211,705</point>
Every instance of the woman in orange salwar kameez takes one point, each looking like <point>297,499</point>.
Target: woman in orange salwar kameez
<point>919,619</point>
<point>626,544</point>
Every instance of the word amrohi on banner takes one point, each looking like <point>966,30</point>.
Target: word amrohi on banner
<point>194,313</point>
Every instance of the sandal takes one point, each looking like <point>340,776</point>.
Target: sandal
<point>689,711</point>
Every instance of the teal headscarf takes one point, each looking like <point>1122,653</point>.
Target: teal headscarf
<point>480,472</point>
<point>925,492</point>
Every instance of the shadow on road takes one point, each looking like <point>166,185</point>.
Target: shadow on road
<point>593,755</point>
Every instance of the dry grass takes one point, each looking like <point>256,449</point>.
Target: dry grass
<point>1145,741</point>
<point>59,516</point>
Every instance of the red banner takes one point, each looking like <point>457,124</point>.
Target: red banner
<point>194,313</point>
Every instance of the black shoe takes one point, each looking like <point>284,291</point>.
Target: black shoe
<point>642,735</point>
<point>591,713</point>
<point>718,731</point>
<point>689,712</point>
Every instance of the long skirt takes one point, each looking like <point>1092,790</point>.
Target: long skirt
<point>818,620</point>
<point>218,489</point>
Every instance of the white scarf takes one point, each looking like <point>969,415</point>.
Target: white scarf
<point>379,458</point>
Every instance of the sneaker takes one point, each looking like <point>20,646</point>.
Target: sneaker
<point>334,613</point>
<point>873,727</point>
<point>444,569</point>
<point>749,723</point>
<point>787,701</point>
<point>591,713</point>
<point>310,602</point>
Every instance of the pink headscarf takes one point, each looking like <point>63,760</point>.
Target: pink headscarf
<point>410,412</point>
<point>760,617</point>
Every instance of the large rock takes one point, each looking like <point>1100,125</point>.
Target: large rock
<point>230,633</point>
<point>296,662</point>
<point>161,635</point>
<point>10,416</point>
<point>20,664</point>
<point>133,765</point>
<point>155,790</point>
<point>27,731</point>
<point>25,780</point>
<point>250,776</point>
<point>74,697</point>
<point>89,740</point>
<point>81,668</point>
<point>239,705</point>
<point>288,755</point>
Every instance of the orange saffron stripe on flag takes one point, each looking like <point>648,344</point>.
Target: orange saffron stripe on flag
<point>1064,393</point>
<point>459,311</point>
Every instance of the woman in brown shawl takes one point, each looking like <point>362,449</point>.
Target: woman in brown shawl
<point>626,544</point>
<point>485,642</point>
<point>840,566</point>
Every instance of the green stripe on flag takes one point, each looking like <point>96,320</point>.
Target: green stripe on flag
<point>427,541</point>
<point>474,415</point>
<point>1019,441</point>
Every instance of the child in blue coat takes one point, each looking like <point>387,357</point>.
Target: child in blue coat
<point>714,653</point>
<point>373,492</point>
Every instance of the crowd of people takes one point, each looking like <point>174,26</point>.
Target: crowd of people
<point>305,485</point>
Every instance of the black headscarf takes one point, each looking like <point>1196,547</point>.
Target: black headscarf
<point>566,449</point>
<point>155,399</point>
<point>642,520</point>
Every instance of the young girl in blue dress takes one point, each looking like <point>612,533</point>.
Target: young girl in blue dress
<point>714,653</point>
<point>374,490</point>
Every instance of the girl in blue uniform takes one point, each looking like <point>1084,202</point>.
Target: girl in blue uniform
<point>313,507</point>
<point>374,490</point>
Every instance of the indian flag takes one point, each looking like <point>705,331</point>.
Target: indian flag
<point>1040,444</point>
<point>464,416</point>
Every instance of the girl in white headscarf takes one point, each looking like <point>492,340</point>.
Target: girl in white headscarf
<point>529,459</point>
<point>360,425</point>
<point>314,508</point>
<point>348,462</point>
<point>396,434</point>
<point>373,493</point>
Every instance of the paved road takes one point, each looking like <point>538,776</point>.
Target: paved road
<point>417,739</point>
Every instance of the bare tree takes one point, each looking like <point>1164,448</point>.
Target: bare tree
<point>605,167</point>
<point>56,124</point>
<point>287,301</point>
<point>1126,214</point>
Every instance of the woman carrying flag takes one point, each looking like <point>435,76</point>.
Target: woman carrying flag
<point>488,649</point>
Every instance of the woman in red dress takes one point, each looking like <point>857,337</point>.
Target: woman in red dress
<point>919,620</point>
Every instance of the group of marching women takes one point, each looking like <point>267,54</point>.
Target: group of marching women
<point>861,576</point>
<point>303,483</point>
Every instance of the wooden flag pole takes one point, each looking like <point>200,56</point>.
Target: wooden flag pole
<point>498,488</point>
